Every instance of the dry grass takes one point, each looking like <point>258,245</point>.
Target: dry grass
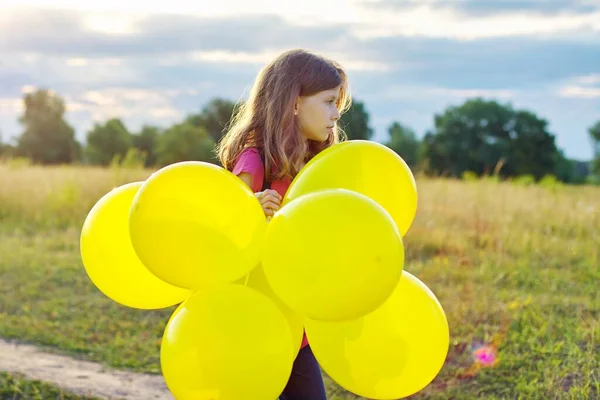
<point>515,267</point>
<point>56,197</point>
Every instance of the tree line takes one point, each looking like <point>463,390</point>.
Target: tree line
<point>477,137</point>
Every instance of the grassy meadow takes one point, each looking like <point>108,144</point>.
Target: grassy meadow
<point>515,266</point>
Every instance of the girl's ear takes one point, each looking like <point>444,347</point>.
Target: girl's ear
<point>296,106</point>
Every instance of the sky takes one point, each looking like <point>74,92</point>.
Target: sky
<point>154,62</point>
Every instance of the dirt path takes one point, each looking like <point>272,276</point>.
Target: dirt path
<point>80,377</point>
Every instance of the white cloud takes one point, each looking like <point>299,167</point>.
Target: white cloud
<point>261,58</point>
<point>323,10</point>
<point>111,23</point>
<point>83,61</point>
<point>581,87</point>
<point>10,106</point>
<point>108,103</point>
<point>467,93</point>
<point>76,62</point>
<point>406,92</point>
<point>226,56</point>
<point>125,103</point>
<point>581,92</point>
<point>20,61</point>
<point>430,21</point>
<point>48,70</point>
<point>350,64</point>
<point>589,79</point>
<point>415,18</point>
<point>27,89</point>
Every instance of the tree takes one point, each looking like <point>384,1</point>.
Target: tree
<point>404,142</point>
<point>486,137</point>
<point>533,150</point>
<point>566,169</point>
<point>581,171</point>
<point>185,142</point>
<point>146,141</point>
<point>104,142</point>
<point>214,117</point>
<point>594,132</point>
<point>355,122</point>
<point>48,138</point>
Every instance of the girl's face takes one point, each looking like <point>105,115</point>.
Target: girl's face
<point>317,114</point>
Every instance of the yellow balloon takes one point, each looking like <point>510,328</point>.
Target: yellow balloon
<point>333,255</point>
<point>110,261</point>
<point>391,353</point>
<point>195,224</point>
<point>367,167</point>
<point>258,281</point>
<point>227,342</point>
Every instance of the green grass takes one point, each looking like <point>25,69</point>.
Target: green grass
<point>15,387</point>
<point>514,266</point>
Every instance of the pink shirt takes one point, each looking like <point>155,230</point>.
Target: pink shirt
<point>251,162</point>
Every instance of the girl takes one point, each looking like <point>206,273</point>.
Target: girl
<point>290,116</point>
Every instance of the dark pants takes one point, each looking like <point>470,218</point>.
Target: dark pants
<point>306,381</point>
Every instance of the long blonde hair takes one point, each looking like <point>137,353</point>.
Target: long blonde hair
<point>266,120</point>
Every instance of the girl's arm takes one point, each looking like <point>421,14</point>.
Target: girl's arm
<point>246,177</point>
<point>249,168</point>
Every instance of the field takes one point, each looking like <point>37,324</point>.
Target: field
<point>515,266</point>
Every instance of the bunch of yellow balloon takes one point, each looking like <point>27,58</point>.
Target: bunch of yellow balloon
<point>330,261</point>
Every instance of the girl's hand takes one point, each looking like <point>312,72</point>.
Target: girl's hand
<point>270,201</point>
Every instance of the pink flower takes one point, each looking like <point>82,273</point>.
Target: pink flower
<point>485,355</point>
